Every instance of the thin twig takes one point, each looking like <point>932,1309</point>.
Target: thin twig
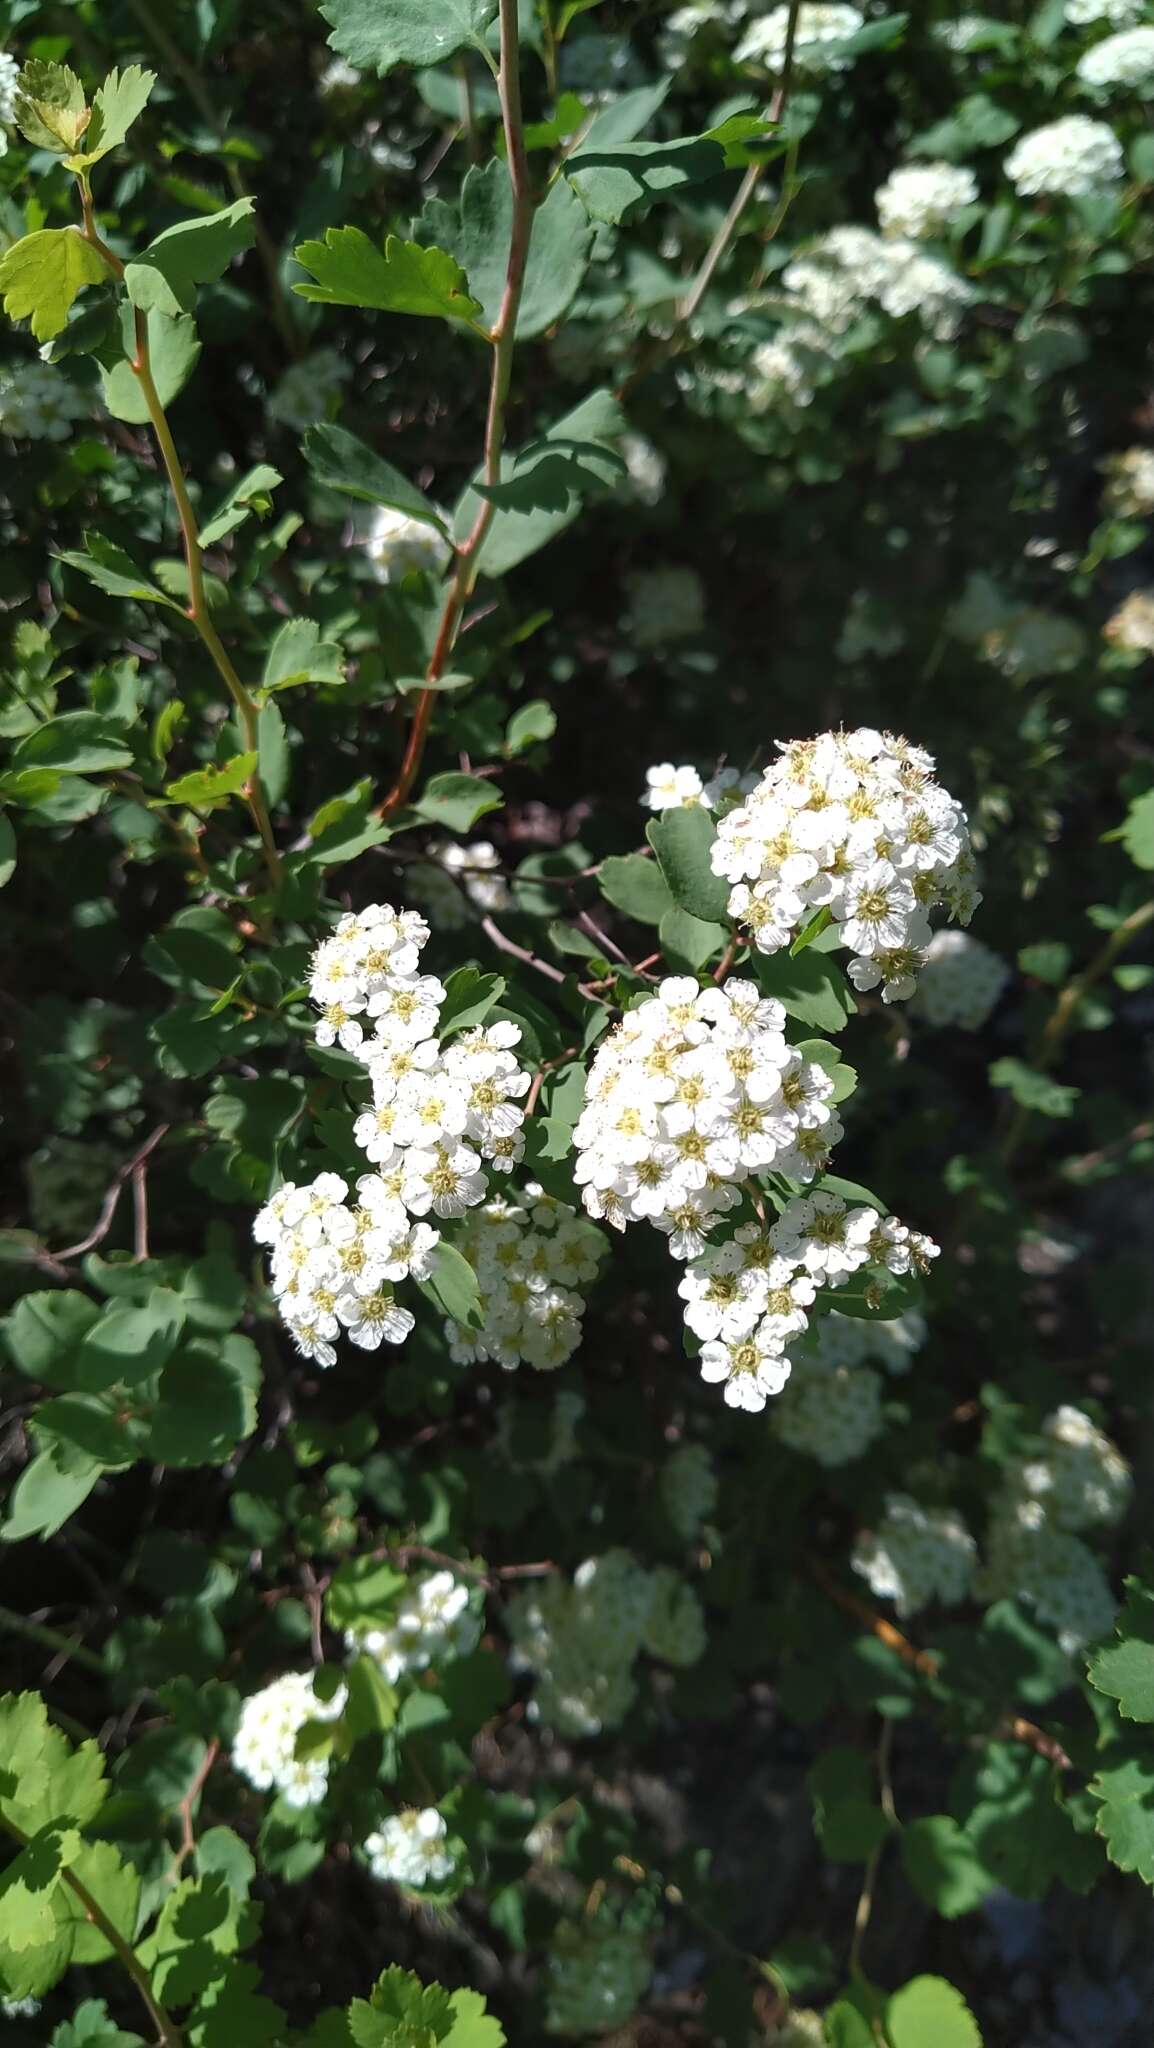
<point>103,1223</point>
<point>503,336</point>
<point>184,1810</point>
<point>504,944</point>
<point>69,1647</point>
<point>869,1879</point>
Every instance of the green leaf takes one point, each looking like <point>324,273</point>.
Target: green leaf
<point>115,106</point>
<point>477,228</point>
<point>50,107</point>
<point>372,1701</point>
<point>456,800</point>
<point>7,850</point>
<point>1012,1808</point>
<point>42,275</point>
<point>401,2013</point>
<point>825,1055</point>
<point>929,2013</point>
<point>1137,832</point>
<point>688,940</point>
<point>637,886</point>
<point>77,743</point>
<point>350,270</point>
<point>173,350</point>
<point>272,754</point>
<point>363,1590</point>
<point>530,722</point>
<point>344,827</point>
<point>452,1286</point>
<point>514,536</point>
<point>253,493</point>
<point>206,1403</point>
<point>48,1494</point>
<point>469,997</point>
<point>626,177</point>
<point>846,2027</point>
<point>1124,1789</point>
<point>1125,1669</point>
<point>91,2027</point>
<point>299,655</point>
<point>943,1865</point>
<point>376,34</point>
<point>342,462</point>
<point>552,475</point>
<point>164,278</point>
<point>129,1342</point>
<point>848,1819</point>
<point>206,787</point>
<point>811,987</point>
<point>472,2026</point>
<point>1032,1089</point>
<point>681,839</point>
<point>43,1331</point>
<point>114,571</point>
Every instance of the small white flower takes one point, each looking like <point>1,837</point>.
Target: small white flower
<point>669,787</point>
<point>411,1849</point>
<point>1071,157</point>
<point>924,198</point>
<point>398,545</point>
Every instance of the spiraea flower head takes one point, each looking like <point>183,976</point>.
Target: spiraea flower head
<point>916,1555</point>
<point>924,198</point>
<point>961,981</point>
<point>399,545</point>
<point>1071,157</point>
<point>433,1622</point>
<point>412,1849</point>
<point>822,26</point>
<point>264,1749</point>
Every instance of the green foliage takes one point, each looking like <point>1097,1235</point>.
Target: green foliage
<point>41,276</point>
<point>349,270</point>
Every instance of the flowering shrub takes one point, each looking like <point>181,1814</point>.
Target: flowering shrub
<point>573,746</point>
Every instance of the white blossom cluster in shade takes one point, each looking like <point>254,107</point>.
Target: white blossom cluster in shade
<point>397,545</point>
<point>1116,13</point>
<point>339,76</point>
<point>433,1623</point>
<point>264,1747</point>
<point>440,1116</point>
<point>916,1555</point>
<point>308,389</point>
<point>1124,62</point>
<point>689,1490</point>
<point>669,788</point>
<point>1072,157</point>
<point>37,403</point>
<point>645,467</point>
<point>581,1639</point>
<point>749,1297</point>
<point>820,29</point>
<point>837,277</point>
<point>692,1092</point>
<point>452,881</point>
<point>1080,1479</point>
<point>1028,1558</point>
<point>530,1258</point>
<point>960,982</point>
<point>411,1849</point>
<point>852,823</point>
<point>788,364</point>
<point>831,1407</point>
<point>595,1978</point>
<point>1130,483</point>
<point>666,604</point>
<point>1132,625</point>
<point>958,35</point>
<point>923,199</point>
<point>18,2008</point>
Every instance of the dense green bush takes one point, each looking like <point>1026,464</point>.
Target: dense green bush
<point>540,547</point>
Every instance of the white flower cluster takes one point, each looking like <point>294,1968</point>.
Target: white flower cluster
<point>960,982</point>
<point>398,544</point>
<point>1125,61</point>
<point>432,1623</point>
<point>439,1116</point>
<point>820,29</point>
<point>1054,1572</point>
<point>307,390</point>
<point>596,1976</point>
<point>831,1408</point>
<point>671,788</point>
<point>1116,13</point>
<point>9,84</point>
<point>644,477</point>
<point>689,1489</point>
<point>832,283</point>
<point>695,1090</point>
<point>922,199</point>
<point>748,1298</point>
<point>916,1555</point>
<point>529,1260</point>
<point>339,76</point>
<point>453,880</point>
<point>37,403</point>
<point>264,1749</point>
<point>411,1849</point>
<point>855,824</point>
<point>1132,625</point>
<point>1072,157</point>
<point>1081,1479</point>
<point>1130,483</point>
<point>581,1640</point>
<point>335,1267</point>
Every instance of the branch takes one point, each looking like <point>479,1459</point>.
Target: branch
<point>187,1836</point>
<point>503,337</point>
<point>129,1171</point>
